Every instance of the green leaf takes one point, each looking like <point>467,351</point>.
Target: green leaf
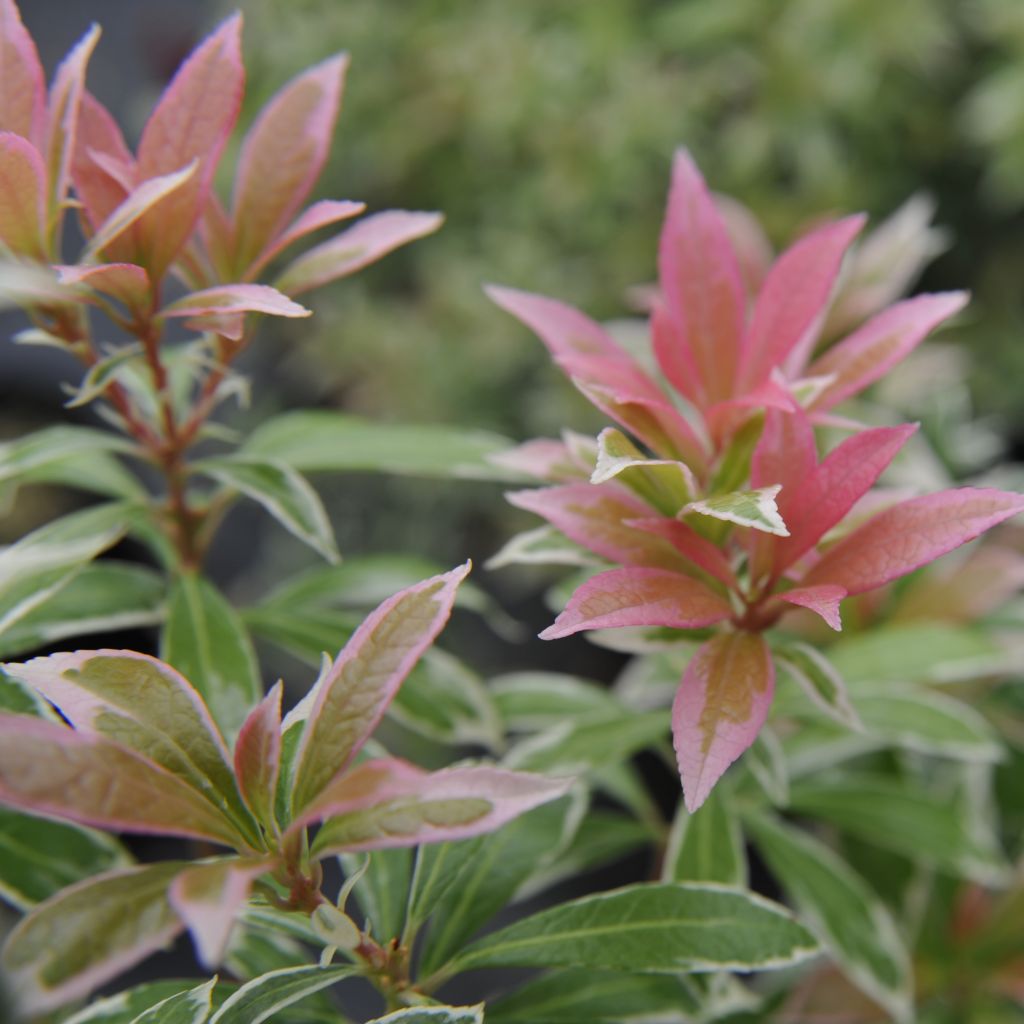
<point>103,373</point>
<point>258,1000</point>
<point>906,819</point>
<point>500,864</point>
<point>90,932</point>
<point>581,746</point>
<point>658,927</point>
<point>205,640</point>
<point>191,1007</point>
<point>439,866</point>
<point>543,545</point>
<point>434,1015</point>
<point>308,634</point>
<point>664,484</point>
<point>283,492</point>
<point>528,701</point>
<point>38,857</point>
<point>766,762</point>
<point>840,908</point>
<point>929,723</point>
<point>124,1007</point>
<point>756,509</point>
<point>924,652</point>
<point>597,997</point>
<point>330,441</point>
<point>446,701</point>
<point>382,891</point>
<point>819,680</point>
<point>41,563</point>
<point>706,846</point>
<point>104,597</point>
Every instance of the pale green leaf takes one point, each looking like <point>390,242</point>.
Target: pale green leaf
<point>706,846</point>
<point>30,456</point>
<point>528,701</point>
<point>205,640</point>
<point>543,545</point>
<point>105,597</point>
<point>766,762</point>
<point>38,857</point>
<point>103,373</point>
<point>258,1000</point>
<point>853,924</point>
<point>756,509</point>
<point>191,1007</point>
<point>283,492</point>
<point>903,818</point>
<point>656,927</point>
<point>819,680</point>
<point>329,441</point>
<point>434,1015</point>
<point>124,1007</point>
<point>664,484</point>
<point>382,890</point>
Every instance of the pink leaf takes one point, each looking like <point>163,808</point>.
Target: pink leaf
<point>785,454</point>
<point>98,136</point>
<point>675,357</point>
<point>543,459</point>
<point>725,417</point>
<point>192,121</point>
<point>872,350</point>
<point>62,118</point>
<point>387,803</point>
<point>22,202</point>
<point>46,768</point>
<point>365,243</point>
<point>282,156</point>
<point>258,755</point>
<point>823,600</point>
<point>793,301</point>
<point>700,282</point>
<point>753,249</point>
<point>208,897</point>
<point>235,298</point>
<point>691,545</point>
<point>639,597</point>
<point>605,373</point>
<point>349,700</point>
<point>126,282</point>
<point>722,702</point>
<point>831,491</point>
<point>319,215</point>
<point>595,515</point>
<point>910,534</point>
<point>22,84</point>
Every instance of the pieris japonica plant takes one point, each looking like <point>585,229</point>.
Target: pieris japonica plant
<point>718,520</point>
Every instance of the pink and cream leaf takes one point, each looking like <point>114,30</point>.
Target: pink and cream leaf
<point>258,755</point>
<point>22,197</point>
<point>224,300</point>
<point>22,83</point>
<point>721,704</point>
<point>99,146</point>
<point>639,597</point>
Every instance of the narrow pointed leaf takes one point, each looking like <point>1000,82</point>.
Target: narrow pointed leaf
<point>382,889</point>
<point>756,509</point>
<point>317,440</point>
<point>706,846</point>
<point>62,117</point>
<point>721,704</point>
<point>126,282</point>
<point>191,1007</point>
<point>639,597</point>
<point>349,701</point>
<point>822,599</point>
<point>191,122</point>
<point>89,933</point>
<point>691,545</point>
<point>794,299</point>
<point>664,484</point>
<point>284,493</point>
<point>434,1015</point>
<point>659,927</point>
<point>141,703</point>
<point>320,215</point>
<point>282,156</point>
<point>235,298</point>
<point>820,681</point>
<point>134,206</point>
<point>365,243</point>
<point>208,897</point>
<point>39,857</point>
<point>596,516</point>
<point>99,149</point>
<point>47,768</point>
<point>910,534</point>
<point>258,756</point>
<point>873,349</point>
<point>407,808</point>
<point>22,85</point>
<point>126,1006</point>
<point>853,924</point>
<point>258,1000</point>
<point>22,197</point>
<point>528,701</point>
<point>204,639</point>
<point>700,281</point>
